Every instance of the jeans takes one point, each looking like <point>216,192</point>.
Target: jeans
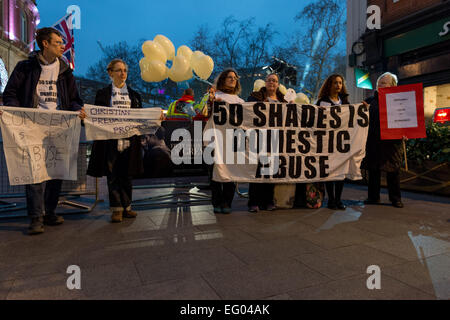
<point>42,198</point>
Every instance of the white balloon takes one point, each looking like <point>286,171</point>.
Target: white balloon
<point>154,51</point>
<point>204,66</point>
<point>152,70</point>
<point>185,51</point>
<point>258,84</point>
<point>302,98</point>
<point>181,64</point>
<point>167,45</point>
<point>282,88</point>
<point>194,58</point>
<point>290,95</point>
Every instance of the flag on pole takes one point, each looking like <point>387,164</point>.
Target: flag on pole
<point>65,27</point>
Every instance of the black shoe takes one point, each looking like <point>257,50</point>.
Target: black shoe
<point>370,201</point>
<point>53,220</point>
<point>340,205</point>
<point>36,226</point>
<point>397,204</point>
<point>331,205</point>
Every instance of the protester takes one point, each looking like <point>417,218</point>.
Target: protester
<point>118,159</point>
<point>228,88</point>
<point>261,195</point>
<point>382,155</point>
<point>44,74</point>
<point>333,92</point>
<point>183,108</point>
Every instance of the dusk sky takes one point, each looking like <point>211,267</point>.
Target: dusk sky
<point>113,20</point>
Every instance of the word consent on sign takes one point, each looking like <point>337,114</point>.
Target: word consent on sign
<point>40,145</point>
<point>281,142</point>
<point>103,123</point>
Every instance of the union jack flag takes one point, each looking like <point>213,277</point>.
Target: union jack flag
<point>65,27</point>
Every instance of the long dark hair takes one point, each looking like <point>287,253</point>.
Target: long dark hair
<point>325,90</point>
<point>220,82</point>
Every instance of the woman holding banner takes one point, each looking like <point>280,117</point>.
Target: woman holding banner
<point>226,89</point>
<point>119,159</point>
<point>261,195</point>
<point>333,92</point>
<point>382,155</point>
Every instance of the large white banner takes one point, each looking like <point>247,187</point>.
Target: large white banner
<point>281,142</point>
<point>103,123</point>
<point>40,145</point>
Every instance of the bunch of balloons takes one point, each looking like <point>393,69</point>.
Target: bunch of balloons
<point>301,98</point>
<point>160,49</point>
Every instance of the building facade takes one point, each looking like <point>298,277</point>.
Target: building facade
<point>413,43</point>
<point>18,21</point>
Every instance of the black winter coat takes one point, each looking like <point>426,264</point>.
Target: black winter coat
<point>104,152</point>
<point>21,88</point>
<point>385,155</point>
<point>343,97</point>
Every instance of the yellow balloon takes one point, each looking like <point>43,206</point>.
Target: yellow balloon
<point>167,45</point>
<point>258,84</point>
<point>302,98</point>
<point>282,88</point>
<point>153,70</point>
<point>154,51</point>
<point>204,66</point>
<point>186,52</point>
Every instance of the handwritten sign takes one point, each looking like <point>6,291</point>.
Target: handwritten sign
<point>401,112</point>
<point>40,145</point>
<point>103,123</point>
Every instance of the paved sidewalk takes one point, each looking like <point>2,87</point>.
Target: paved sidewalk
<point>190,253</point>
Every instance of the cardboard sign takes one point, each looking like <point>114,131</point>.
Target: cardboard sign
<point>401,112</point>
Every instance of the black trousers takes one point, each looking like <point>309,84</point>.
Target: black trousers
<point>393,184</point>
<point>260,194</point>
<point>42,198</point>
<point>222,193</point>
<point>334,190</point>
<point>119,183</point>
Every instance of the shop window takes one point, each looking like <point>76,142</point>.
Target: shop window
<point>436,97</point>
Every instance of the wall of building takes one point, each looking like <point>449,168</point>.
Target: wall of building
<point>392,10</point>
<point>356,26</point>
<point>12,48</point>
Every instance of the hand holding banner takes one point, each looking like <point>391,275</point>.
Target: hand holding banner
<point>103,123</point>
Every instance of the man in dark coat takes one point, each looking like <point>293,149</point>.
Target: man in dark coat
<point>23,90</point>
<point>382,155</point>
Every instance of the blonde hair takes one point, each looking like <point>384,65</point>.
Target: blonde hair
<point>393,77</point>
<point>114,62</point>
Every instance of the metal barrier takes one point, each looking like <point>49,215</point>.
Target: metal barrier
<point>71,190</point>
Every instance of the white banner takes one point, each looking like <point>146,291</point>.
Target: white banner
<point>297,143</point>
<point>103,123</point>
<point>40,145</point>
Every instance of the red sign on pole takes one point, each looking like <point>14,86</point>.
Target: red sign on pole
<point>401,112</point>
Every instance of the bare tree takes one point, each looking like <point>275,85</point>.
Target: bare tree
<point>237,44</point>
<point>131,55</point>
<point>314,48</point>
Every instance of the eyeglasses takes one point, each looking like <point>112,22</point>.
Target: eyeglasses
<point>272,80</point>
<point>232,78</point>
